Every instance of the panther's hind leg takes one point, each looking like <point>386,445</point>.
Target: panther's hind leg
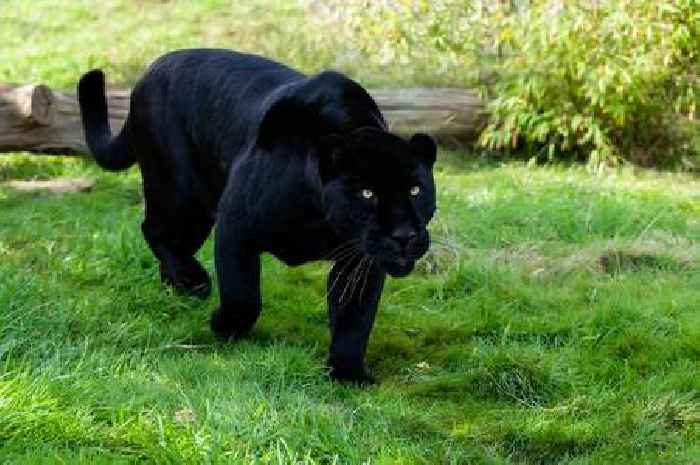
<point>174,239</point>
<point>177,219</point>
<point>179,209</point>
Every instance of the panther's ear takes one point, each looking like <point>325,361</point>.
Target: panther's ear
<point>424,146</point>
<point>287,120</point>
<point>323,104</point>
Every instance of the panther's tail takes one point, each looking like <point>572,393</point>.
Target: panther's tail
<point>110,154</point>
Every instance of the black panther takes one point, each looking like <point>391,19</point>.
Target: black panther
<point>301,167</point>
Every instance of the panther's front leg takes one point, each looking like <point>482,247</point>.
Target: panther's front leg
<point>238,272</point>
<point>354,289</point>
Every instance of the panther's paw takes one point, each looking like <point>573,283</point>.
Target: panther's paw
<point>357,376</point>
<point>228,326</point>
<point>189,279</point>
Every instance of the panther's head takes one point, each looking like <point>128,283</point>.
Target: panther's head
<point>378,191</point>
<point>379,194</point>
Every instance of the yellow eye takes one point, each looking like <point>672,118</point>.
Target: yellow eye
<point>415,190</point>
<point>367,193</point>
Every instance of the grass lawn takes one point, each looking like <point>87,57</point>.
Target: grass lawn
<point>556,320</point>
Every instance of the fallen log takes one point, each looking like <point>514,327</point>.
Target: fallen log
<point>34,118</point>
<point>449,115</point>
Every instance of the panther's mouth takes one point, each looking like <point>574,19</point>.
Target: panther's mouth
<point>398,267</point>
<point>396,258</point>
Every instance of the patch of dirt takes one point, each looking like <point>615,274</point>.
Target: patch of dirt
<point>616,261</point>
<point>611,257</point>
<point>57,186</point>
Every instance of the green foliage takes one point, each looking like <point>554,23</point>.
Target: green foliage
<point>606,83</point>
<point>441,42</point>
<point>601,81</point>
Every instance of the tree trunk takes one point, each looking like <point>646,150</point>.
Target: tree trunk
<point>34,118</point>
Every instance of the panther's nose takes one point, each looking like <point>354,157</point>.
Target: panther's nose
<point>403,235</point>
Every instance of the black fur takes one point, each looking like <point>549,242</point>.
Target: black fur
<point>300,167</point>
<point>112,155</point>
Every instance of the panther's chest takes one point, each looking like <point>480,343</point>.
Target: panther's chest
<point>301,245</point>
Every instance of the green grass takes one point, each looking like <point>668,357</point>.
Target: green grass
<point>55,41</point>
<point>554,322</point>
<point>559,324</point>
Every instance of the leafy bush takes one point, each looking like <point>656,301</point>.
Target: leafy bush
<point>605,83</point>
<point>600,80</point>
<point>434,42</point>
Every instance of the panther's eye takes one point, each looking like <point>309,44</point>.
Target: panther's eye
<point>415,190</point>
<point>367,193</point>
